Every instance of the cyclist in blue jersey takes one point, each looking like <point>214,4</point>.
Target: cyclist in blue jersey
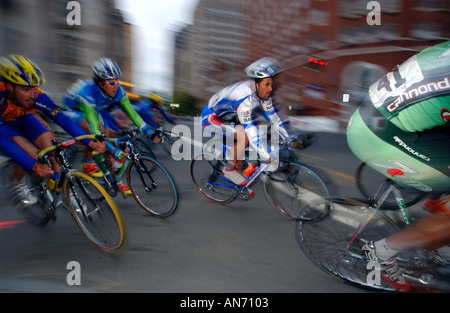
<point>21,127</point>
<point>90,103</point>
<point>231,112</point>
<point>145,108</point>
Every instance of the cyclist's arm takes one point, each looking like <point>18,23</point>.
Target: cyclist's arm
<point>49,108</point>
<point>244,113</point>
<point>132,114</point>
<point>91,115</point>
<point>274,118</point>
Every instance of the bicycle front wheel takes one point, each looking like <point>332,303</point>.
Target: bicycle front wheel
<point>292,189</point>
<point>152,186</point>
<point>334,244</point>
<point>206,175</point>
<point>94,211</point>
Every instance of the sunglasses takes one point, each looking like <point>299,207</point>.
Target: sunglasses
<point>111,83</point>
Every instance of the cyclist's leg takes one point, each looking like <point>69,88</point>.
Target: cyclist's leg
<point>234,133</point>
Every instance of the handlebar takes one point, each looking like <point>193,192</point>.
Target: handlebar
<point>67,143</point>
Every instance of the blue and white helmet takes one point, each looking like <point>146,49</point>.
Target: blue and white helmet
<point>265,67</point>
<point>105,69</point>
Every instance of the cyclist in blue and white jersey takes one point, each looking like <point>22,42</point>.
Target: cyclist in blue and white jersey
<point>232,110</point>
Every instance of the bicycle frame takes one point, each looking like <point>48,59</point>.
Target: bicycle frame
<point>132,157</point>
<point>377,205</point>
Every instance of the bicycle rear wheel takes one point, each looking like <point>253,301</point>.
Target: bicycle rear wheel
<point>206,175</point>
<point>292,189</point>
<point>327,242</point>
<point>152,186</point>
<point>94,211</point>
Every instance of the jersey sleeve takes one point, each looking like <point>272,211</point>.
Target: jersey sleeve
<point>274,119</point>
<point>244,113</point>
<point>131,112</point>
<point>49,108</point>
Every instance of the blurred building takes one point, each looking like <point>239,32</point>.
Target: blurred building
<point>332,49</point>
<point>40,30</point>
<point>212,51</point>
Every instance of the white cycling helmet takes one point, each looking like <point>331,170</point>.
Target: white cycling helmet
<point>265,67</point>
<point>105,69</point>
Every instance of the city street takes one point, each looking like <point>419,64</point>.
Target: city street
<point>242,247</point>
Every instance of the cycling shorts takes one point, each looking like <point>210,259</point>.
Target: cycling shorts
<point>213,125</point>
<point>423,158</point>
<point>30,126</point>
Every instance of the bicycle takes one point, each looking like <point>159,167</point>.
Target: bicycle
<point>91,207</point>
<point>368,181</point>
<point>334,240</point>
<point>145,177</point>
<point>288,188</point>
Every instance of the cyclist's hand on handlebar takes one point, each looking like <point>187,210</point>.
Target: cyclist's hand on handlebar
<point>42,171</point>
<point>99,147</point>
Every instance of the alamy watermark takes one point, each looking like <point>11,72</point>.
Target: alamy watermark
<point>374,16</point>
<point>74,276</point>
<point>74,16</point>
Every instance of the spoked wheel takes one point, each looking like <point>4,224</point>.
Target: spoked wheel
<point>94,211</point>
<point>370,182</point>
<point>152,186</point>
<point>330,243</point>
<point>206,175</point>
<point>293,190</point>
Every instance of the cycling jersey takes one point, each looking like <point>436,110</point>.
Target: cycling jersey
<point>238,103</point>
<point>87,97</point>
<point>404,124</point>
<point>18,121</point>
<point>145,110</point>
<point>416,95</point>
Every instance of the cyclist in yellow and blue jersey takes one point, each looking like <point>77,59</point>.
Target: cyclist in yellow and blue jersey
<point>21,127</point>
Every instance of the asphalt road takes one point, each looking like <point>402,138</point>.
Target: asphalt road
<point>242,247</point>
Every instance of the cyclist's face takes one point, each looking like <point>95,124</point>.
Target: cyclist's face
<point>23,96</point>
<point>110,87</point>
<point>265,88</point>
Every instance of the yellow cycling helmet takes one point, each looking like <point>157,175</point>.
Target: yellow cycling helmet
<point>155,98</point>
<point>20,70</point>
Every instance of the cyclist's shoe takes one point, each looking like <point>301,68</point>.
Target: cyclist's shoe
<point>439,206</point>
<point>21,194</point>
<point>251,193</point>
<point>234,176</point>
<point>389,270</point>
<point>124,189</point>
<point>91,169</point>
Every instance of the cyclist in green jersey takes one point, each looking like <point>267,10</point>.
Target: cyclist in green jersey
<point>403,131</point>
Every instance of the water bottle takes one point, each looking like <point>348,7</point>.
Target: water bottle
<point>250,170</point>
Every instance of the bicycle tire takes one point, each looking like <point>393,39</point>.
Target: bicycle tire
<point>325,242</point>
<point>369,182</point>
<point>148,177</point>
<point>94,211</point>
<point>206,175</point>
<point>292,189</point>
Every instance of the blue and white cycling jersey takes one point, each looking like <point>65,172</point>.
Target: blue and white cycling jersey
<point>90,93</point>
<point>239,103</point>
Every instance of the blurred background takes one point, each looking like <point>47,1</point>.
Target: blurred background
<point>330,51</point>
